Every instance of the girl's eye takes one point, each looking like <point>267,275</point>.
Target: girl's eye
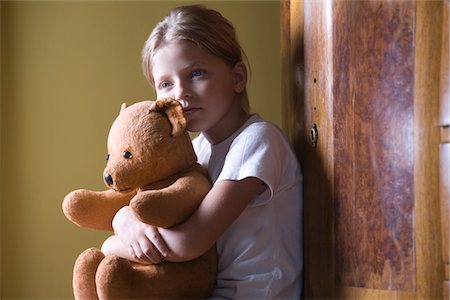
<point>197,73</point>
<point>165,85</point>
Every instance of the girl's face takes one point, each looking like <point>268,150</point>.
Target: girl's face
<point>207,88</point>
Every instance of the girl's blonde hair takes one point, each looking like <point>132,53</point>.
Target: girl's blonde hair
<point>204,27</point>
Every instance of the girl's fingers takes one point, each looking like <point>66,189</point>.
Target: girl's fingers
<point>157,241</point>
<point>133,250</point>
<point>144,252</point>
<point>150,253</point>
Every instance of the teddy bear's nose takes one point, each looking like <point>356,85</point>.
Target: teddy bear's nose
<point>108,179</point>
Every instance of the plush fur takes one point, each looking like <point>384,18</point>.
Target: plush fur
<point>152,168</point>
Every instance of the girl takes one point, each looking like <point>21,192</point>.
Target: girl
<point>253,211</point>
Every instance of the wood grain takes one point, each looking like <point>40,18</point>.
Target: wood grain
<point>373,49</point>
<point>428,32</point>
<point>445,213</point>
<point>318,108</point>
<point>367,73</point>
<point>444,121</point>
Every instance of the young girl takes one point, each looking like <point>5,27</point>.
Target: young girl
<point>254,210</point>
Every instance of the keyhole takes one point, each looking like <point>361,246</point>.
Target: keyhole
<point>314,135</point>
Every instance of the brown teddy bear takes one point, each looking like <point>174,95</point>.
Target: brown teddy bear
<point>153,168</point>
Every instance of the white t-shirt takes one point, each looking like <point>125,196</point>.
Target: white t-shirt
<point>260,254</point>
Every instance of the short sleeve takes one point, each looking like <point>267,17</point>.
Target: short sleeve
<point>259,152</point>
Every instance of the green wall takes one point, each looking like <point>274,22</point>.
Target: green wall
<point>65,69</point>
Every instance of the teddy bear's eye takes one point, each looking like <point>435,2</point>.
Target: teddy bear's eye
<point>107,156</point>
<point>127,154</point>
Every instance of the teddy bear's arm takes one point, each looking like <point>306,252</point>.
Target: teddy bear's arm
<point>94,209</point>
<point>173,204</point>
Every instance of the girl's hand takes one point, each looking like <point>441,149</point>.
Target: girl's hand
<point>143,241</point>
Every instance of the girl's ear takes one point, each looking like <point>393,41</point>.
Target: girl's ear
<point>240,77</point>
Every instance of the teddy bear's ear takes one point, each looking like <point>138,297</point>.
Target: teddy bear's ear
<point>174,112</point>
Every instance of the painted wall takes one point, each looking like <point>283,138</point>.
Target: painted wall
<point>65,69</point>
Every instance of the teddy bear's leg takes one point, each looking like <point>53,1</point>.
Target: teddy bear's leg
<point>84,274</point>
<point>114,278</point>
<point>117,278</point>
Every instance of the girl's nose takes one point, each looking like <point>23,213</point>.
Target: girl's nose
<point>183,92</point>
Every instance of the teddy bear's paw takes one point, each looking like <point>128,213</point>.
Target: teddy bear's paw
<point>79,207</point>
<point>72,203</point>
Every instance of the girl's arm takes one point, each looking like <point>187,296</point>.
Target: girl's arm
<point>220,208</point>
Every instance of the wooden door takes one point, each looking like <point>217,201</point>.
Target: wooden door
<point>363,78</point>
<point>444,150</point>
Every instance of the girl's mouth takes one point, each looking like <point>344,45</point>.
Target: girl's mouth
<point>190,110</point>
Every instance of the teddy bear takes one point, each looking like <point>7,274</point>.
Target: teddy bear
<point>152,168</point>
